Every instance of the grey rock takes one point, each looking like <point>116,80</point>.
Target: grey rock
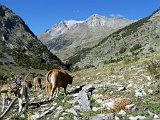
<point>83,101</point>
<point>88,88</point>
<point>61,118</point>
<point>156,117</point>
<point>139,93</point>
<point>129,107</point>
<point>35,116</point>
<point>116,118</point>
<point>107,103</point>
<point>77,107</point>
<point>71,110</point>
<point>137,118</point>
<point>122,112</point>
<point>96,108</point>
<point>102,116</point>
<point>121,88</point>
<point>58,111</point>
<point>75,118</point>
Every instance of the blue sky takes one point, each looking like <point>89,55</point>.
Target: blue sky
<point>40,15</point>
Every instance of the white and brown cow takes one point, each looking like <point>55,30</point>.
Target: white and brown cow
<point>56,79</point>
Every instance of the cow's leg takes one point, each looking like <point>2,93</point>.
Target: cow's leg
<point>65,90</point>
<point>52,90</point>
<point>48,89</point>
<point>26,99</point>
<point>34,87</point>
<point>20,100</point>
<point>3,103</point>
<point>40,86</point>
<point>58,89</point>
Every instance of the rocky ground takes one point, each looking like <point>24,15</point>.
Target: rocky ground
<point>128,90</point>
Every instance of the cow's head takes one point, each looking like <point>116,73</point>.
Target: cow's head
<point>71,79</point>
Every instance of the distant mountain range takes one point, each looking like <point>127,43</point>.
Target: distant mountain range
<point>101,40</point>
<point>19,46</point>
<point>68,37</point>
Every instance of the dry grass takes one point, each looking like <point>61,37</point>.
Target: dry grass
<point>120,103</point>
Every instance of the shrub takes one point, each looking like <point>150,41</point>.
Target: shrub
<point>76,68</point>
<point>154,69</point>
<point>1,63</point>
<point>127,61</point>
<point>151,49</point>
<point>122,50</point>
<point>135,47</point>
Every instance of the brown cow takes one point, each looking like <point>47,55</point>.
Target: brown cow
<point>37,83</point>
<point>56,79</point>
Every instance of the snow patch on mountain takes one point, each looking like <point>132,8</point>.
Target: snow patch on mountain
<point>62,27</point>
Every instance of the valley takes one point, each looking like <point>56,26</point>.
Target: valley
<point>115,63</point>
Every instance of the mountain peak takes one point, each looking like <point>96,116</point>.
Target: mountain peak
<point>96,20</point>
<point>96,16</point>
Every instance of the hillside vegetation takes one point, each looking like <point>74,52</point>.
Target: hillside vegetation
<point>138,38</point>
<point>19,46</point>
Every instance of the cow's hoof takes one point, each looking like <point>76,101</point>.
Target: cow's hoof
<point>51,98</point>
<point>20,114</point>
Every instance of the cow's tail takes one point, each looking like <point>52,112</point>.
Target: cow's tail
<point>48,83</point>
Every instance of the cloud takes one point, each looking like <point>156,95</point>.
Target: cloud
<point>116,15</point>
<point>76,11</point>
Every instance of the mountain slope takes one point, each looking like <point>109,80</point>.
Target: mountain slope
<point>19,46</point>
<point>69,37</point>
<point>139,38</point>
